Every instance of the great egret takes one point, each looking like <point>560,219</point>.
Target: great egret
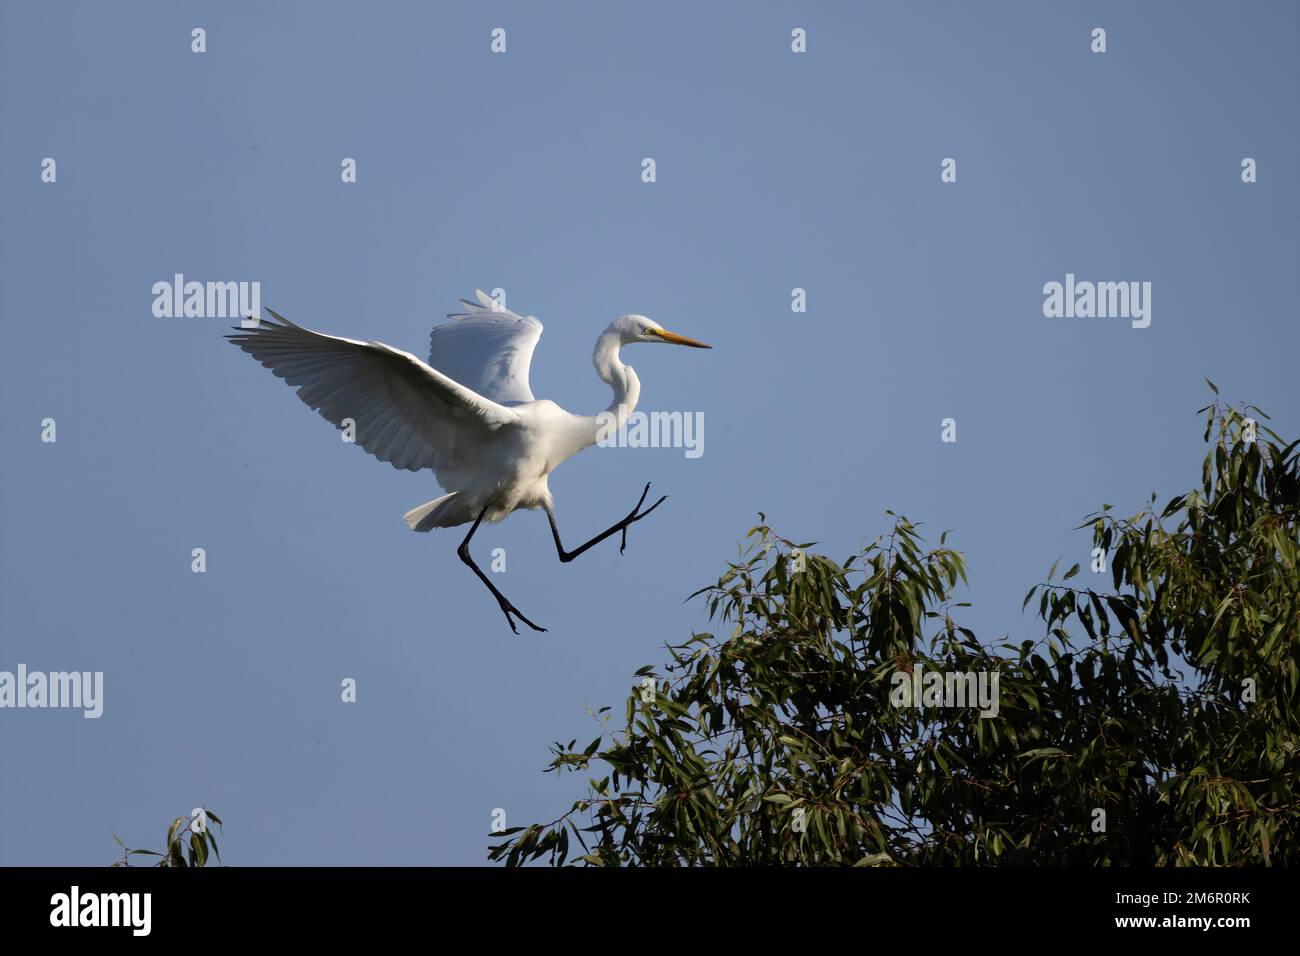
<point>468,414</point>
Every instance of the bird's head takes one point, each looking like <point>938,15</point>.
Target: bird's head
<point>638,328</point>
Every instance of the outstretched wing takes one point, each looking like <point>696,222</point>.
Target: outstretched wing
<point>406,413</point>
<point>487,348</point>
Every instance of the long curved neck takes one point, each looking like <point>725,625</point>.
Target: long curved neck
<point>622,381</point>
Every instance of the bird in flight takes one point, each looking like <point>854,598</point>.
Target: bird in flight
<point>468,414</point>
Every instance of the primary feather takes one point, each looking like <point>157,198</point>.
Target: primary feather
<point>403,411</point>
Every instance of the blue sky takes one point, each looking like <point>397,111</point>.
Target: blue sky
<point>522,170</point>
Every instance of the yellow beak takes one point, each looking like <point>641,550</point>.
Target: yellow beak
<point>676,339</point>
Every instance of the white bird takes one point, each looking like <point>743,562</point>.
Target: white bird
<point>469,414</point>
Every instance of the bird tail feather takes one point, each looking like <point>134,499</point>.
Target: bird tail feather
<point>426,516</point>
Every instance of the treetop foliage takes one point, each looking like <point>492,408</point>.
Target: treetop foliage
<point>1154,723</point>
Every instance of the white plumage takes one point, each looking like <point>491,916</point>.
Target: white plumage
<point>468,414</point>
<point>487,349</point>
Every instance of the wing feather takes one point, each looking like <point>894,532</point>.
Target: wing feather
<point>406,413</point>
<point>487,348</point>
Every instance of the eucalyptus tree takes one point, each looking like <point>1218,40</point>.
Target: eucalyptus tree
<point>821,719</point>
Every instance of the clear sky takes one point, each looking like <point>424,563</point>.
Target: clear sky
<point>522,170</point>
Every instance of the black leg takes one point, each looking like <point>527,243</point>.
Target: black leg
<point>506,607</point>
<point>632,516</point>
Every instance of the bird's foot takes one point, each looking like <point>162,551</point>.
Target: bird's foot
<point>636,515</point>
<point>508,609</point>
